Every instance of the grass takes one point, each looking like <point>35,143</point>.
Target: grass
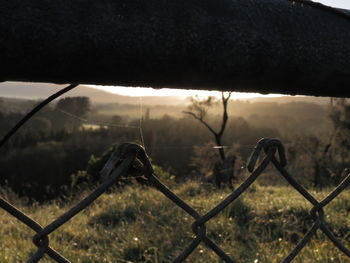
<point>138,224</point>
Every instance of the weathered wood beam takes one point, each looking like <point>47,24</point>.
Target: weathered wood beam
<point>267,46</point>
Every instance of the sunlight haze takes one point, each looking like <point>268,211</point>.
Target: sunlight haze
<point>140,92</point>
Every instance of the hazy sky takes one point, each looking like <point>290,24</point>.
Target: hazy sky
<point>337,3</point>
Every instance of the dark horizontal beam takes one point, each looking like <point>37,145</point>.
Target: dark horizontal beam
<point>266,46</point>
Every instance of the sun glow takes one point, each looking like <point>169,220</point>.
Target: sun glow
<point>184,93</point>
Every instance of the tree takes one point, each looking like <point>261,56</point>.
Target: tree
<point>325,157</point>
<point>70,111</point>
<point>340,139</point>
<point>312,156</point>
<point>199,110</point>
<point>79,106</point>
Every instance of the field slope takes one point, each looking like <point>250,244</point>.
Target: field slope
<point>138,224</point>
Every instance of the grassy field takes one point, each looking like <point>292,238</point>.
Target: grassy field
<point>138,224</point>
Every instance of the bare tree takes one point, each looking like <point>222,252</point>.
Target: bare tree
<point>199,110</point>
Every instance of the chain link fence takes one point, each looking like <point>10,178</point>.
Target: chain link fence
<point>132,158</point>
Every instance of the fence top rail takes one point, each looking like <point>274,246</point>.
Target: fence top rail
<point>266,46</point>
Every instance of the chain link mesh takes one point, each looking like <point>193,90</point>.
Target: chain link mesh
<point>133,157</point>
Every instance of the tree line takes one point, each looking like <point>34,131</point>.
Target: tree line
<point>62,146</point>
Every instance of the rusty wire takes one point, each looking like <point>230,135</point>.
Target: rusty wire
<point>132,156</point>
<point>35,110</point>
<point>128,154</point>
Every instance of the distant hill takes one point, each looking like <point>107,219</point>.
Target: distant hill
<point>36,91</point>
<point>288,99</point>
<point>42,90</point>
<point>292,111</point>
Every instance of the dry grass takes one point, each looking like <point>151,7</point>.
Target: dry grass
<point>138,224</point>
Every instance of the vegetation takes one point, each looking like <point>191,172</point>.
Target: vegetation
<point>121,225</point>
<point>59,135</point>
<point>56,158</point>
<point>199,110</point>
<point>72,133</point>
<point>223,170</point>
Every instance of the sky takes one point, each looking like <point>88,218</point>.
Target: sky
<point>139,92</point>
<point>142,92</point>
<point>336,3</point>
